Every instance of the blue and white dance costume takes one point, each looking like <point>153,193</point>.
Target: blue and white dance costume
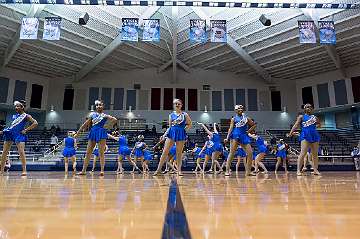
<point>225,154</point>
<point>261,146</point>
<point>69,150</point>
<point>13,132</point>
<point>281,151</point>
<point>139,149</point>
<point>96,151</point>
<point>308,129</point>
<point>172,152</point>
<point>239,132</point>
<point>240,152</point>
<point>216,139</point>
<point>177,131</point>
<point>209,148</point>
<point>197,154</point>
<point>147,155</point>
<point>97,131</point>
<point>124,150</point>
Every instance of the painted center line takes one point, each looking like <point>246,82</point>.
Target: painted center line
<point>175,223</point>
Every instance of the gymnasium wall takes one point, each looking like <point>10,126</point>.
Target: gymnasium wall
<point>20,86</point>
<point>223,86</point>
<point>329,89</point>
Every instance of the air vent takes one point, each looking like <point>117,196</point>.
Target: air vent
<point>206,87</point>
<point>272,88</point>
<point>68,86</point>
<point>137,86</point>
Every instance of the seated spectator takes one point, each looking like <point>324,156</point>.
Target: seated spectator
<point>273,141</point>
<point>2,124</point>
<point>153,130</point>
<point>37,146</point>
<point>44,131</point>
<point>53,129</point>
<point>355,152</point>
<point>147,131</point>
<point>53,141</point>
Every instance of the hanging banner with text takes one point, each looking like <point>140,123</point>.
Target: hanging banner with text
<point>130,29</point>
<point>327,32</point>
<point>218,31</point>
<point>198,31</point>
<point>307,32</point>
<point>29,28</point>
<point>151,30</point>
<point>52,28</point>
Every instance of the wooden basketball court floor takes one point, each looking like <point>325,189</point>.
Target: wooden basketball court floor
<point>49,205</point>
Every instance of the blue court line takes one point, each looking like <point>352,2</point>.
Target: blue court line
<point>175,223</point>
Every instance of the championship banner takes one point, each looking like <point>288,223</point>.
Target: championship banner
<point>198,31</point>
<point>52,28</point>
<point>327,32</point>
<point>129,30</point>
<point>307,32</point>
<point>151,30</point>
<point>29,28</point>
<point>218,31</point>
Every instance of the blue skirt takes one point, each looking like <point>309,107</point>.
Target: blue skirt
<point>311,136</point>
<point>241,137</point>
<point>201,156</point>
<point>217,148</point>
<point>124,151</point>
<point>177,134</point>
<point>262,149</point>
<point>208,151</point>
<point>138,153</point>
<point>147,157</point>
<point>97,134</point>
<point>16,137</point>
<point>96,152</point>
<point>281,154</point>
<point>68,152</point>
<point>172,151</point>
<point>240,153</point>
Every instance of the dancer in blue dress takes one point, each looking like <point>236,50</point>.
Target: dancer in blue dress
<point>216,147</point>
<point>123,151</point>
<point>97,134</point>
<point>147,158</point>
<point>207,150</point>
<point>138,151</point>
<point>179,122</point>
<point>16,133</point>
<point>309,137</point>
<point>198,157</point>
<point>262,150</point>
<point>240,155</point>
<point>69,151</point>
<point>280,155</point>
<point>240,126</point>
<point>225,155</point>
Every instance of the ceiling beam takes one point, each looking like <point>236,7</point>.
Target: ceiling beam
<point>14,45</point>
<point>171,34</point>
<point>207,59</point>
<point>109,49</point>
<point>330,49</point>
<point>216,63</point>
<point>175,14</point>
<point>238,49</point>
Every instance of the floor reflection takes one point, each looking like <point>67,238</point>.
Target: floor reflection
<point>272,206</point>
<point>53,206</point>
